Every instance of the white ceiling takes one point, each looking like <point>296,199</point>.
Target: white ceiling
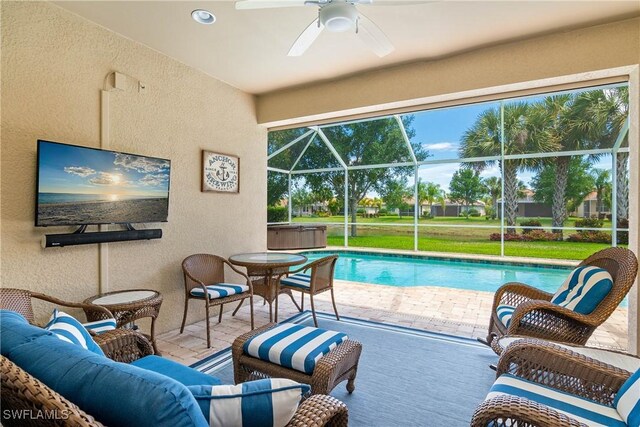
<point>248,49</point>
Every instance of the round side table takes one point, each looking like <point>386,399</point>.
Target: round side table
<point>127,307</point>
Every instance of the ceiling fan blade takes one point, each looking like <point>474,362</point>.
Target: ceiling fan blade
<point>267,4</point>
<point>392,2</point>
<point>373,37</point>
<point>306,39</point>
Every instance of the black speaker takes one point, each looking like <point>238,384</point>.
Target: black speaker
<point>59,240</point>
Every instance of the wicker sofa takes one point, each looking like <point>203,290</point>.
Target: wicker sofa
<point>36,396</point>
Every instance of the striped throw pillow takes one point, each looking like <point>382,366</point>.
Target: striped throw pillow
<point>263,403</point>
<point>68,329</point>
<point>100,326</point>
<point>293,346</point>
<point>584,289</point>
<point>627,401</point>
<point>505,313</point>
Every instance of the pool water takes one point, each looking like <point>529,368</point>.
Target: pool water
<point>399,270</point>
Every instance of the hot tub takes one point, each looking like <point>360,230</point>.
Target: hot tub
<point>296,236</point>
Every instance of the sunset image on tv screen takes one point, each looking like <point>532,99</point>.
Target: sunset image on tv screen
<point>78,185</point>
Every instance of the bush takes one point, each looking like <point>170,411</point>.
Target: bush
<point>323,214</point>
<point>427,215</point>
<point>530,223</point>
<point>277,214</point>
<point>623,236</point>
<point>473,212</point>
<point>510,237</point>
<point>542,236</point>
<point>593,222</point>
<point>360,211</point>
<point>383,211</point>
<point>590,237</point>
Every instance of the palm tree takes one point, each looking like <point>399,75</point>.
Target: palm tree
<point>602,184</point>
<point>442,200</point>
<point>494,188</point>
<point>483,140</point>
<point>428,192</point>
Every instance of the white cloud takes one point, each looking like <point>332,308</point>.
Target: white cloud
<point>107,179</point>
<point>140,164</point>
<point>80,171</point>
<point>154,180</point>
<point>441,146</point>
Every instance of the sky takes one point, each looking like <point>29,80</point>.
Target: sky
<point>79,170</point>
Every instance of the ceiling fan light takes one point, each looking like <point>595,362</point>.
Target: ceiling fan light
<point>338,17</point>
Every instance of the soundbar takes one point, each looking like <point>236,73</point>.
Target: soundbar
<point>72,239</point>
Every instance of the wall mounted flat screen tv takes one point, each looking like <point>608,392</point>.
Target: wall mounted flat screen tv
<point>84,186</point>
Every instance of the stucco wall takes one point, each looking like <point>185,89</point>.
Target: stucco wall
<point>53,68</point>
<point>565,53</point>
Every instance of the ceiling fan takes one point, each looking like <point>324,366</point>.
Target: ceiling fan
<point>335,16</point>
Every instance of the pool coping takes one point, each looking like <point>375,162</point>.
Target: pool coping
<point>453,257</point>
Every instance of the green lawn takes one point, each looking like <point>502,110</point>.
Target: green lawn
<point>451,239</point>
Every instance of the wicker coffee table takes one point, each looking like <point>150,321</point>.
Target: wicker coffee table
<point>127,307</point>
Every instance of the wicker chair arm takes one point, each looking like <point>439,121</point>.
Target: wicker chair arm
<point>513,293</point>
<point>320,410</point>
<point>538,360</point>
<point>550,310</point>
<point>124,345</point>
<point>99,311</point>
<point>511,410</point>
<point>242,273</point>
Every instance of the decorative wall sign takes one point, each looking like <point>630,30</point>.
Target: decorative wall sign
<point>220,172</point>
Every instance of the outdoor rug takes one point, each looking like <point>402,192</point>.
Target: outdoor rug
<point>406,376</point>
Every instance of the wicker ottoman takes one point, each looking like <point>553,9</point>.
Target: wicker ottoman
<point>340,364</point>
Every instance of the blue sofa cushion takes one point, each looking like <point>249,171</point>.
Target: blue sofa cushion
<point>69,330</point>
<point>293,346</point>
<point>262,403</point>
<point>114,393</point>
<point>182,374</point>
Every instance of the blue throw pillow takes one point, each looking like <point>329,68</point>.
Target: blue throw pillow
<point>68,329</point>
<point>627,401</point>
<point>584,289</point>
<point>264,403</point>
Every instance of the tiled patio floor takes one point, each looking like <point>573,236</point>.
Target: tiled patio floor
<point>451,311</point>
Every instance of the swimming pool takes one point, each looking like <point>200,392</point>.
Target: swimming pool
<point>407,270</point>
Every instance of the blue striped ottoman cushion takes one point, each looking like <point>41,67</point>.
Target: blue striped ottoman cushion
<point>302,281</point>
<point>293,346</point>
<point>263,403</point>
<point>505,312</point>
<point>627,401</point>
<point>100,326</point>
<point>68,329</point>
<point>584,410</point>
<point>220,290</point>
<point>584,289</point>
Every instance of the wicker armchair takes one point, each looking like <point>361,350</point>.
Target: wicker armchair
<point>201,270</point>
<point>554,366</point>
<point>19,300</point>
<point>536,316</point>
<point>21,391</point>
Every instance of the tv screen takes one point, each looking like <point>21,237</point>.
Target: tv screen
<point>82,186</point>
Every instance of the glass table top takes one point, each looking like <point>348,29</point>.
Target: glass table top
<point>268,258</point>
<point>123,297</point>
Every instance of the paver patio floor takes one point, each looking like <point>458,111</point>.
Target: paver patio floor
<point>446,310</point>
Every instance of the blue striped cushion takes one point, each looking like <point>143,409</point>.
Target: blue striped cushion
<point>68,329</point>
<point>505,312</point>
<point>263,403</point>
<point>293,346</point>
<point>584,410</point>
<point>302,281</point>
<point>627,401</point>
<point>584,289</point>
<point>100,326</point>
<point>220,290</point>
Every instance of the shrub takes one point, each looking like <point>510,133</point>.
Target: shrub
<point>510,237</point>
<point>473,212</point>
<point>383,211</point>
<point>360,211</point>
<point>323,214</point>
<point>427,215</point>
<point>542,236</point>
<point>277,214</point>
<point>593,222</point>
<point>590,237</point>
<point>623,236</point>
<point>530,223</point>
